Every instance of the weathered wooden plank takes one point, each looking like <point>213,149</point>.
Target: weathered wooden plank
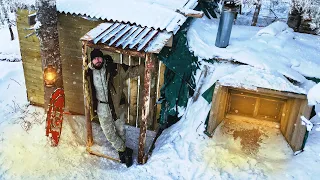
<point>295,110</point>
<point>285,116</point>
<point>162,68</point>
<point>31,61</point>
<point>32,69</point>
<point>133,102</point>
<point>34,85</point>
<point>152,124</point>
<point>74,97</point>
<point>149,70</point>
<point>300,130</point>
<point>87,95</point>
<point>74,108</point>
<point>72,79</point>
<point>67,20</point>
<point>217,112</point>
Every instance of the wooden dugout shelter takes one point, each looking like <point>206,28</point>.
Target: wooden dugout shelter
<point>263,106</point>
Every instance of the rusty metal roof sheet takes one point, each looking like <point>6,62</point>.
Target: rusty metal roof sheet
<point>126,36</point>
<point>156,14</point>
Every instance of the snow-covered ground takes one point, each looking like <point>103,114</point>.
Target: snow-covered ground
<point>9,50</point>
<point>181,152</point>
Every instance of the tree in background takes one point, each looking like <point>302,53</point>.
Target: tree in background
<point>6,8</point>
<point>307,10</point>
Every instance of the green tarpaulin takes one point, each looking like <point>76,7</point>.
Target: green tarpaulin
<point>179,81</point>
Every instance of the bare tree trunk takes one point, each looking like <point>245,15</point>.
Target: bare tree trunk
<point>49,42</point>
<point>256,13</point>
<point>6,17</point>
<point>11,32</point>
<point>294,18</point>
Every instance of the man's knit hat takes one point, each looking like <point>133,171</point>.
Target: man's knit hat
<point>96,53</point>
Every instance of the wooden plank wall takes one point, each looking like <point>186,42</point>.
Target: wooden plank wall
<point>218,107</point>
<point>291,126</point>
<point>71,29</point>
<point>134,89</point>
<point>32,65</point>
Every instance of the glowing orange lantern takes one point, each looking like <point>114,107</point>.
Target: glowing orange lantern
<point>50,75</point>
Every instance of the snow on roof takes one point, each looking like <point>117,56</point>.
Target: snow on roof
<point>128,36</point>
<point>314,95</point>
<point>274,49</point>
<point>249,77</point>
<point>146,13</point>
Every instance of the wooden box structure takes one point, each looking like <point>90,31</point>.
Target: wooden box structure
<point>280,108</point>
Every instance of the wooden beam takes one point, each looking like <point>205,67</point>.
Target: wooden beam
<point>117,50</point>
<point>274,93</point>
<point>87,99</point>
<point>190,13</point>
<point>149,70</point>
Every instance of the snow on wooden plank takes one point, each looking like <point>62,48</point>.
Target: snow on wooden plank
<point>132,30</point>
<point>132,37</point>
<point>96,31</point>
<point>105,33</point>
<point>139,37</point>
<point>126,36</point>
<point>112,33</point>
<point>146,40</point>
<point>158,42</point>
<point>120,34</point>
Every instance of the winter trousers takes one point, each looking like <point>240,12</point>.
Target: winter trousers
<point>113,130</point>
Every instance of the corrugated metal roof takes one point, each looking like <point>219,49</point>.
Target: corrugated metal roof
<point>156,14</point>
<point>126,36</point>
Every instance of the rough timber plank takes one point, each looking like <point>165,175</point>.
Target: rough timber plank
<point>30,54</point>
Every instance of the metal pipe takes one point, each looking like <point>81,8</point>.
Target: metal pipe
<point>225,27</point>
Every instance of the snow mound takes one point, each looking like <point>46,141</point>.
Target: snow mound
<point>314,95</point>
<point>275,48</point>
<point>273,29</point>
<point>250,78</point>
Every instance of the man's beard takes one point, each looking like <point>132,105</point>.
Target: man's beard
<point>98,67</point>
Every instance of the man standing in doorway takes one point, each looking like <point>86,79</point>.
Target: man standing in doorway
<point>103,70</point>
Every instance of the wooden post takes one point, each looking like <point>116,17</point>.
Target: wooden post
<point>86,94</point>
<point>153,95</point>
<point>149,70</point>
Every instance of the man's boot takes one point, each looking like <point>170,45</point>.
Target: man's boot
<point>126,157</point>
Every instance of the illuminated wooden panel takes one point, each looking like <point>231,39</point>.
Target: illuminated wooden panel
<point>242,105</point>
<point>270,109</point>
